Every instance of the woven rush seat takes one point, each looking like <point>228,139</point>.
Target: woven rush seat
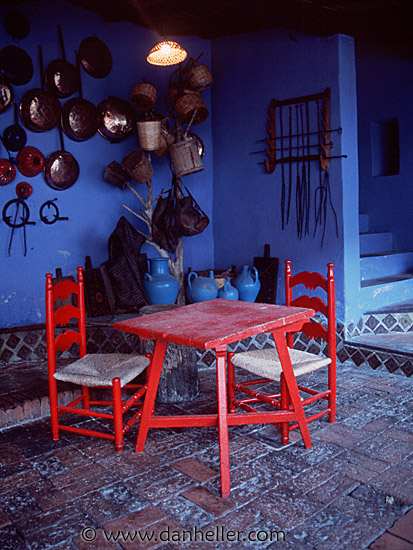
<point>100,369</point>
<point>65,302</point>
<point>266,363</point>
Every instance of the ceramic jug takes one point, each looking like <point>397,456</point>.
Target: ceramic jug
<point>228,291</point>
<point>247,283</point>
<point>200,289</point>
<point>159,285</point>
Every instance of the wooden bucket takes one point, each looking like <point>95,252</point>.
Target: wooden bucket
<point>149,132</point>
<point>137,166</point>
<point>115,174</point>
<point>189,105</point>
<point>185,157</point>
<point>199,77</point>
<point>143,96</point>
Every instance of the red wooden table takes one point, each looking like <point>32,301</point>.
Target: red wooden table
<point>213,325</point>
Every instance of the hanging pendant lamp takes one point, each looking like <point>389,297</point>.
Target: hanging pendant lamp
<point>166,52</point>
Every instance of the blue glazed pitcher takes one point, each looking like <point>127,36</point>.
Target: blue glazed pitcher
<point>200,289</point>
<point>159,285</point>
<point>228,291</point>
<point>247,283</point>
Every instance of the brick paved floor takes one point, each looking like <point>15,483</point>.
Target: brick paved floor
<point>353,490</point>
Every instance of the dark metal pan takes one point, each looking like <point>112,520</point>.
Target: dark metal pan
<point>16,65</point>
<point>79,116</point>
<point>61,76</point>
<point>16,24</point>
<point>39,109</point>
<point>6,96</point>
<point>14,137</point>
<point>61,170</point>
<point>116,119</point>
<point>95,57</point>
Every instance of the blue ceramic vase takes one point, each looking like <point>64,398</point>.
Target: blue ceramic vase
<point>159,285</point>
<point>228,291</point>
<point>200,289</point>
<point>247,283</point>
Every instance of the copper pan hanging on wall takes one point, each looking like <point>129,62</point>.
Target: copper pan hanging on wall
<point>95,57</point>
<point>16,65</point>
<point>116,119</point>
<point>61,170</point>
<point>79,117</point>
<point>61,76</point>
<point>6,96</point>
<point>39,109</point>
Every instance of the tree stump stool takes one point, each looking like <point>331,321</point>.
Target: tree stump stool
<point>179,380</point>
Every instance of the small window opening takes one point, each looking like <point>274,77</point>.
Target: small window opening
<point>385,152</point>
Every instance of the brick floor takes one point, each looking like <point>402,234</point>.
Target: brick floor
<point>353,490</point>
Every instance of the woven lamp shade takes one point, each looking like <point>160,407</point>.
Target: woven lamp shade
<point>166,52</point>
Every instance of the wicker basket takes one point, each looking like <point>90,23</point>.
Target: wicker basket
<point>191,105</point>
<point>143,96</point>
<point>149,132</point>
<point>199,77</point>
<point>137,166</point>
<point>185,157</point>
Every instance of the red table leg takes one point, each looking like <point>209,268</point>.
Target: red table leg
<point>291,382</point>
<point>223,420</point>
<point>149,402</point>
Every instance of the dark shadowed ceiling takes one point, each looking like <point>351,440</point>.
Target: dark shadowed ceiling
<point>386,22</point>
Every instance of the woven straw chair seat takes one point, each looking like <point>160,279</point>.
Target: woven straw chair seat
<point>266,363</point>
<point>99,369</point>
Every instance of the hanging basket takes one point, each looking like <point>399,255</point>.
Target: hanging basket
<point>149,132</point>
<point>199,77</point>
<point>190,106</point>
<point>137,166</point>
<point>185,157</point>
<point>143,96</point>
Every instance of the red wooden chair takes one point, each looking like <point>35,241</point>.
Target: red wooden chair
<point>64,302</point>
<point>265,362</point>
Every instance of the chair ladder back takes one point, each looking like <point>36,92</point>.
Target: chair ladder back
<point>314,329</point>
<point>63,314</point>
<point>331,305</point>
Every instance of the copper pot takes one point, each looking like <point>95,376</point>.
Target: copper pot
<point>95,57</point>
<point>79,116</point>
<point>39,109</point>
<point>6,96</point>
<point>61,76</point>
<point>116,119</point>
<point>61,170</point>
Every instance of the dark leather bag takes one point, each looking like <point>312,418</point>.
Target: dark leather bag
<point>164,233</point>
<point>190,219</point>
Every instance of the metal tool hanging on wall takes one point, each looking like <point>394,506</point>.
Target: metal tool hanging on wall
<point>308,140</point>
<point>48,207</point>
<point>21,213</point>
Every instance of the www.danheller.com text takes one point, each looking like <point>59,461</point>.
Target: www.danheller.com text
<point>218,534</point>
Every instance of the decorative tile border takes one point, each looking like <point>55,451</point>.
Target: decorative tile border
<point>30,345</point>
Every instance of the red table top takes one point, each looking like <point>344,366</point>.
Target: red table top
<point>213,323</point>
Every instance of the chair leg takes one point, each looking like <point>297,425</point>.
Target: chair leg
<point>230,384</point>
<point>117,414</point>
<point>54,417</point>
<point>285,405</point>
<point>333,391</point>
<point>86,398</point>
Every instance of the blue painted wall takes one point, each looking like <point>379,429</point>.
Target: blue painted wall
<point>92,205</point>
<point>385,91</point>
<point>250,70</point>
<point>241,199</point>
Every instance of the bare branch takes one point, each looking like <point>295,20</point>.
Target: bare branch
<point>143,201</point>
<point>144,219</point>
